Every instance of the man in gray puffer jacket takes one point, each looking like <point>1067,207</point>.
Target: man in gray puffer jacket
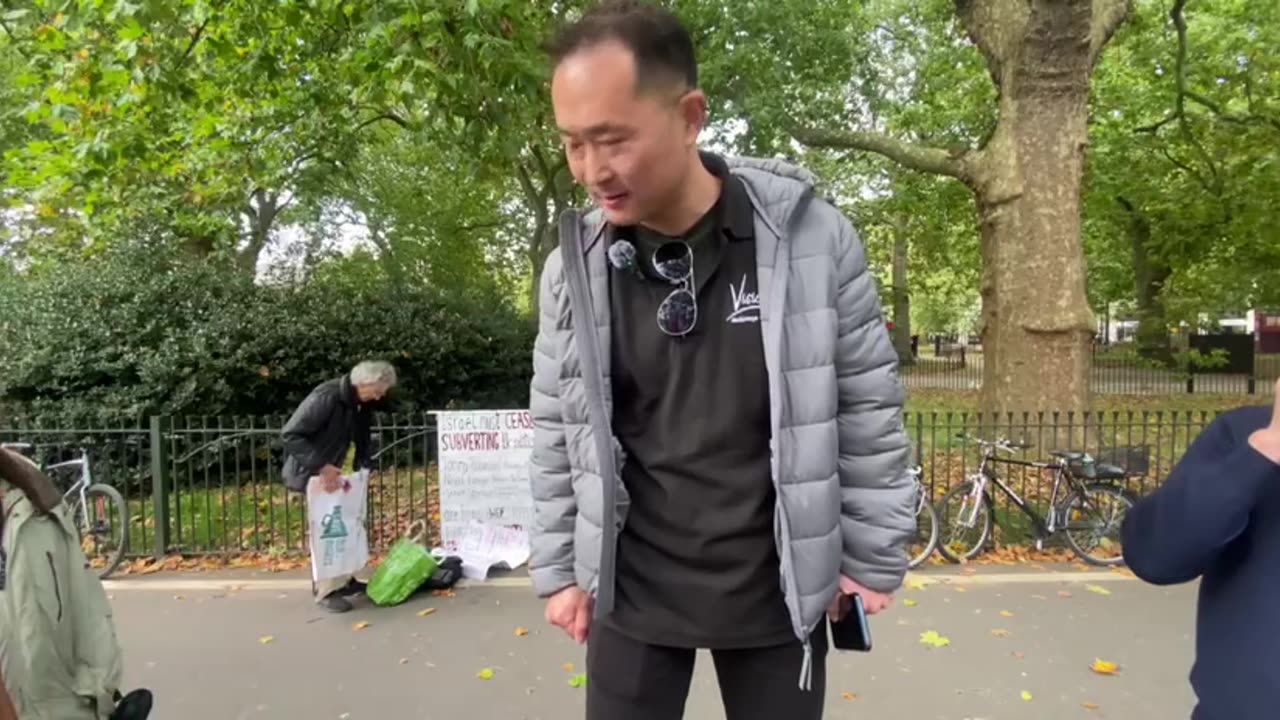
<point>719,456</point>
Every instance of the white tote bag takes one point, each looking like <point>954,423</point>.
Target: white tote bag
<point>339,542</point>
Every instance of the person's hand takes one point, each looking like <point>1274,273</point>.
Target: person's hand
<point>872,601</point>
<point>570,610</point>
<point>1267,440</point>
<point>330,479</point>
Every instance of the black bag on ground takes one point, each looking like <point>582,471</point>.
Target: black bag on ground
<point>134,706</point>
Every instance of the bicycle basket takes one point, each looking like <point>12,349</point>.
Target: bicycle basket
<point>1135,460</point>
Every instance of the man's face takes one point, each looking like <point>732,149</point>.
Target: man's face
<point>629,150</point>
<point>370,393</point>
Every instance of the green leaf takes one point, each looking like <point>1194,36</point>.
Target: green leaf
<point>579,680</point>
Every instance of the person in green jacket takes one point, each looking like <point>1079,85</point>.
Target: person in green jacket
<point>59,656</point>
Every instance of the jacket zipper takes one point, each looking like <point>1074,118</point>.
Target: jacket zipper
<point>56,590</point>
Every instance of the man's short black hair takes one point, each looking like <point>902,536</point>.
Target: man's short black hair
<point>661,45</point>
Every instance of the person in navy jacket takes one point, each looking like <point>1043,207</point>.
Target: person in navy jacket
<point>1217,518</point>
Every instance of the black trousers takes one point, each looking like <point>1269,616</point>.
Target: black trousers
<point>631,680</point>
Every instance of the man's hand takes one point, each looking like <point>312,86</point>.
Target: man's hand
<point>331,478</point>
<point>1267,440</point>
<point>570,610</point>
<point>872,601</point>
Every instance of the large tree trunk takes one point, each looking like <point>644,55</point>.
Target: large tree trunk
<point>1036,322</point>
<point>1150,272</point>
<point>901,295</point>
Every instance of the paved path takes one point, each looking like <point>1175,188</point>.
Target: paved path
<point>199,646</point>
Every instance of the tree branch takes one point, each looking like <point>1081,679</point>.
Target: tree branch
<point>15,44</point>
<point>385,115</point>
<point>991,25</point>
<point>910,155</point>
<point>1180,103</point>
<point>1157,125</point>
<point>1108,16</point>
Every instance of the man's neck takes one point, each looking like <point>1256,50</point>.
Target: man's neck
<point>697,195</point>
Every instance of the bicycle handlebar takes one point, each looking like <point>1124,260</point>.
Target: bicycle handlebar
<point>998,444</point>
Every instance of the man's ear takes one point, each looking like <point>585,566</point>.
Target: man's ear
<point>693,109</point>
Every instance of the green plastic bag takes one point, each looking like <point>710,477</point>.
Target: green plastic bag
<point>407,567</point>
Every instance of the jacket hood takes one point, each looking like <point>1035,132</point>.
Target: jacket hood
<point>777,187</point>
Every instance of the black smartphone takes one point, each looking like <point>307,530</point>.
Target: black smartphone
<point>852,632</point>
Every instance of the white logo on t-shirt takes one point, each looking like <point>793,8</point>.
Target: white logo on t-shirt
<point>746,305</point>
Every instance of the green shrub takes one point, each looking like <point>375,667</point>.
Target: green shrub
<point>143,331</point>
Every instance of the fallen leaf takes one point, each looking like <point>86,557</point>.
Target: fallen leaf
<point>960,588</point>
<point>1089,706</point>
<point>1005,613</point>
<point>360,625</point>
<point>1102,667</point>
<point>1097,589</point>
<point>1026,696</point>
<point>578,681</point>
<point>1064,594</point>
<point>425,612</point>
<point>848,696</point>
<point>1000,632</point>
<point>179,597</point>
<point>910,603</point>
<point>522,631</point>
<point>404,661</point>
<point>485,674</point>
<point>933,639</point>
<point>915,584</point>
<point>568,667</point>
<point>1019,655</point>
<point>267,639</point>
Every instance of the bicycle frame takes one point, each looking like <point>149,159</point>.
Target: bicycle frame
<point>81,485</point>
<point>1045,526</point>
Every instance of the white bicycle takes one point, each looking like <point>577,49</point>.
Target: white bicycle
<point>926,538</point>
<point>96,508</point>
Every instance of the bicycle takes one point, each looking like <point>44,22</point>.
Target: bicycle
<point>91,518</point>
<point>1081,500</point>
<point>925,513</point>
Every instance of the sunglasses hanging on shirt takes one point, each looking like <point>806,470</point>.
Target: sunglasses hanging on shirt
<point>678,313</point>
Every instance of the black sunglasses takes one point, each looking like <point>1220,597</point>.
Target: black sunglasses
<point>678,313</point>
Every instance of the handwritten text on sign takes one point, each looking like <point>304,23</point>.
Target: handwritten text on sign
<point>484,470</point>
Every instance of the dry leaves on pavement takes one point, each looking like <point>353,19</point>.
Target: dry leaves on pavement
<point>933,639</point>
<point>1102,667</point>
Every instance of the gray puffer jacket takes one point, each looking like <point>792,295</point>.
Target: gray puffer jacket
<point>839,449</point>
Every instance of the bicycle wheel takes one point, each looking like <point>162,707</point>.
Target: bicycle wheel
<point>103,522</point>
<point>1091,520</point>
<point>965,529</point>
<point>925,540</point>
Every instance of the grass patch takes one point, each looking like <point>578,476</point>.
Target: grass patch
<point>256,517</point>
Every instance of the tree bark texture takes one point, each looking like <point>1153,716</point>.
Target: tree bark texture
<point>901,294</point>
<point>1026,181</point>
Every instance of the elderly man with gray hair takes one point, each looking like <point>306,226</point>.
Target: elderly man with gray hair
<point>317,439</point>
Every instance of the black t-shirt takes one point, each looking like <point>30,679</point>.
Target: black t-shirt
<point>697,560</point>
